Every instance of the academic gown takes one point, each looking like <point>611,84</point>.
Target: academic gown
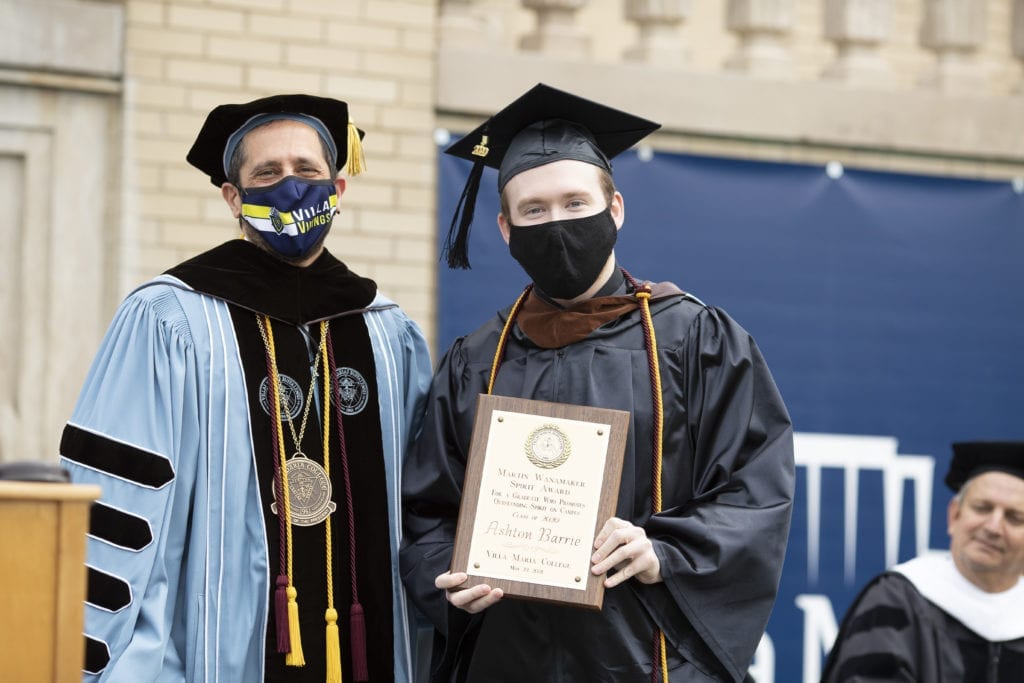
<point>173,424</point>
<point>923,621</point>
<point>728,478</point>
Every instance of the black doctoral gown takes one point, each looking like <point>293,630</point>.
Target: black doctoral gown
<point>893,633</point>
<point>727,495</point>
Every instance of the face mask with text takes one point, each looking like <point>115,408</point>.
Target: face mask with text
<point>292,214</point>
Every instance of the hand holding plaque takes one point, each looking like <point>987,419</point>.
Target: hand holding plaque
<point>541,480</point>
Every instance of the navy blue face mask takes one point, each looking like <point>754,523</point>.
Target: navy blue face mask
<point>564,258</point>
<point>292,214</point>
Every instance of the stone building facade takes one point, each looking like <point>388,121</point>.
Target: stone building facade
<point>100,100</point>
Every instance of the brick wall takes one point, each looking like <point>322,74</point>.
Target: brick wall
<point>184,57</point>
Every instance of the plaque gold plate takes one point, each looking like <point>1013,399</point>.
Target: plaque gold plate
<point>541,480</point>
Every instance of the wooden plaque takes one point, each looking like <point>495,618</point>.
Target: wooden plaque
<point>541,480</point>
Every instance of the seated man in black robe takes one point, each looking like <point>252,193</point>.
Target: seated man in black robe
<point>694,551</point>
<point>956,616</point>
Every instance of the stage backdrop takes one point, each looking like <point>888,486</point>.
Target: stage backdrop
<point>890,309</point>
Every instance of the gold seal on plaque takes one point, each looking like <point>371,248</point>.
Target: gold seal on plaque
<point>548,446</point>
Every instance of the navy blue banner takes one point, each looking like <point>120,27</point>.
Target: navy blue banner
<point>890,308</point>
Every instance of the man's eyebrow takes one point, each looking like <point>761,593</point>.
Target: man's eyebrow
<point>269,163</point>
<point>312,161</point>
<point>296,161</point>
<point>572,194</point>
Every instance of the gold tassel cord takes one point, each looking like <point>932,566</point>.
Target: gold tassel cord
<point>294,657</point>
<point>659,419</point>
<point>331,615</point>
<point>333,647</point>
<point>659,410</point>
<point>355,162</point>
<point>500,351</point>
<point>643,295</point>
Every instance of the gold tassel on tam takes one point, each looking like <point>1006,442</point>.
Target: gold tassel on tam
<point>355,161</point>
<point>333,647</point>
<point>294,658</point>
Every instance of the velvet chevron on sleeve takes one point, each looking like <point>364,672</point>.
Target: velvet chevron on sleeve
<point>172,425</point>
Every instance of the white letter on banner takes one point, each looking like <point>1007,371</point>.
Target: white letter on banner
<point>762,669</point>
<point>820,631</point>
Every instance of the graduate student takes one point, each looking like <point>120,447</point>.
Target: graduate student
<point>246,417</point>
<point>693,554</point>
<point>956,616</point>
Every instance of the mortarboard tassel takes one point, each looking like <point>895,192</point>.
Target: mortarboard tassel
<point>456,245</point>
<point>355,162</point>
<point>357,628</point>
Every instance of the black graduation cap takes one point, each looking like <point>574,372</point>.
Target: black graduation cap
<point>328,116</point>
<point>971,458</point>
<point>543,125</point>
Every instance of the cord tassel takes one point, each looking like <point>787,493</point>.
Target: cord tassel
<point>333,647</point>
<point>355,161</point>
<point>282,615</point>
<point>357,628</point>
<point>456,244</point>
<point>284,643</point>
<point>357,622</point>
<point>294,656</point>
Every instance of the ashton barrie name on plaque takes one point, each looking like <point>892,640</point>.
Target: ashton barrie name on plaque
<point>544,534</point>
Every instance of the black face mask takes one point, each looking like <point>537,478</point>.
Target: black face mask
<point>564,258</point>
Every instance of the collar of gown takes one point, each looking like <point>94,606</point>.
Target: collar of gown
<point>241,273</point>
<point>996,617</point>
<point>551,327</point>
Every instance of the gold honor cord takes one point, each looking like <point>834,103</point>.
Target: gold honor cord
<point>642,292</point>
<point>297,438</point>
<point>331,615</point>
<point>294,657</point>
<point>332,646</point>
<point>499,352</point>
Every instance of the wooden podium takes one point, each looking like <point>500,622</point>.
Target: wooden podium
<point>42,579</point>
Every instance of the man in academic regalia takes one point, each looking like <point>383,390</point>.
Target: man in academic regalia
<point>248,528</point>
<point>956,616</point>
<point>694,551</point>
